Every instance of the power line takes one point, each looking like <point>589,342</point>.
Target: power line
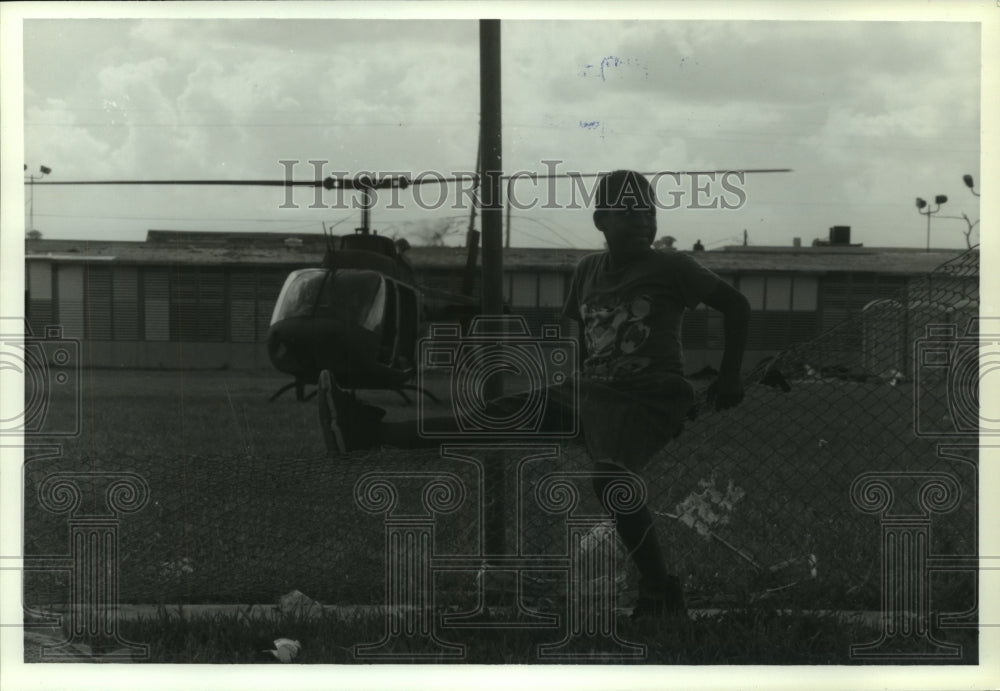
<point>391,181</point>
<point>177,218</point>
<point>548,227</point>
<point>398,123</point>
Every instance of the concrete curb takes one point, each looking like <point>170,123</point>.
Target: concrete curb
<point>870,618</point>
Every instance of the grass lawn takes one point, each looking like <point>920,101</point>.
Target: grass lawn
<point>744,636</point>
<point>244,507</point>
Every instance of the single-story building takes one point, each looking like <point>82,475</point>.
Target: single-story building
<point>204,300</point>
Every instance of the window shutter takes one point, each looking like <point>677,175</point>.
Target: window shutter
<point>125,303</point>
<point>98,307</point>
<point>156,291</point>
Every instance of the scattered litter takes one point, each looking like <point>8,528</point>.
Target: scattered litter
<point>895,377</point>
<point>178,568</point>
<point>285,649</point>
<point>708,508</point>
<point>598,545</point>
<point>298,604</point>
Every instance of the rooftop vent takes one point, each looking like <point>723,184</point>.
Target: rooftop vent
<point>840,235</point>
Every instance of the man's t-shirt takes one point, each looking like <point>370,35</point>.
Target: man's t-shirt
<point>631,316</point>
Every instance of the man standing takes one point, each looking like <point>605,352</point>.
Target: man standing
<point>630,302</point>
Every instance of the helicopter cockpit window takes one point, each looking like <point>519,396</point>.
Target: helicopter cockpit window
<point>299,294</point>
<point>354,297</point>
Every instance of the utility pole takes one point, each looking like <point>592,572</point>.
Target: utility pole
<point>510,184</point>
<point>492,165</point>
<point>472,235</point>
<point>921,205</point>
<point>494,476</point>
<point>44,170</point>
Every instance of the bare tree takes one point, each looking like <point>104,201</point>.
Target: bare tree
<point>968,231</point>
<point>969,223</point>
<point>434,233</point>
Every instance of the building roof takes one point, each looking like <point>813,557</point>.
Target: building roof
<point>173,247</point>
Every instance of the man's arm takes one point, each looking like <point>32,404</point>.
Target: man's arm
<point>727,390</point>
<point>571,310</point>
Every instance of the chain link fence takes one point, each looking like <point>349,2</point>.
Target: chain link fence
<point>751,504</point>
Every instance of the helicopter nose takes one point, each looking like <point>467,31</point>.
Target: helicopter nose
<point>279,352</point>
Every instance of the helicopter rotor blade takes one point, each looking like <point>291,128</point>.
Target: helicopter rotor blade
<point>720,171</point>
<point>242,183</point>
<point>402,182</point>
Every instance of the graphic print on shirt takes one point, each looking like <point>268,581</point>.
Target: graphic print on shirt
<point>614,333</point>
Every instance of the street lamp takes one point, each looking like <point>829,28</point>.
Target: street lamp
<point>44,170</point>
<point>921,205</point>
<point>970,183</point>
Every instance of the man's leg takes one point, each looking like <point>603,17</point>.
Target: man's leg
<point>347,424</point>
<point>351,425</point>
<point>623,432</point>
<point>660,591</point>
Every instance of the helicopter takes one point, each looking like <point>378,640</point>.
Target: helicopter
<point>361,313</point>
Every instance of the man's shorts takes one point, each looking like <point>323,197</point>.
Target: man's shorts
<point>621,423</point>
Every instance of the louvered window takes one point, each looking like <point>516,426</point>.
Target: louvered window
<point>156,304</point>
<point>40,307</point>
<point>269,284</point>
<point>551,290</point>
<point>184,304</point>
<point>242,305</point>
<point>125,302</point>
<point>97,315</point>
<point>524,290</point>
<point>211,305</point>
<point>69,282</point>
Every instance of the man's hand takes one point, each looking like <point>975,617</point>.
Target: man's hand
<point>726,391</point>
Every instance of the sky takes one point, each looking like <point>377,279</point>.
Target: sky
<point>868,115</point>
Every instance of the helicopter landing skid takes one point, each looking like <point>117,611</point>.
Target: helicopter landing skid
<point>300,394</point>
<point>419,389</point>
